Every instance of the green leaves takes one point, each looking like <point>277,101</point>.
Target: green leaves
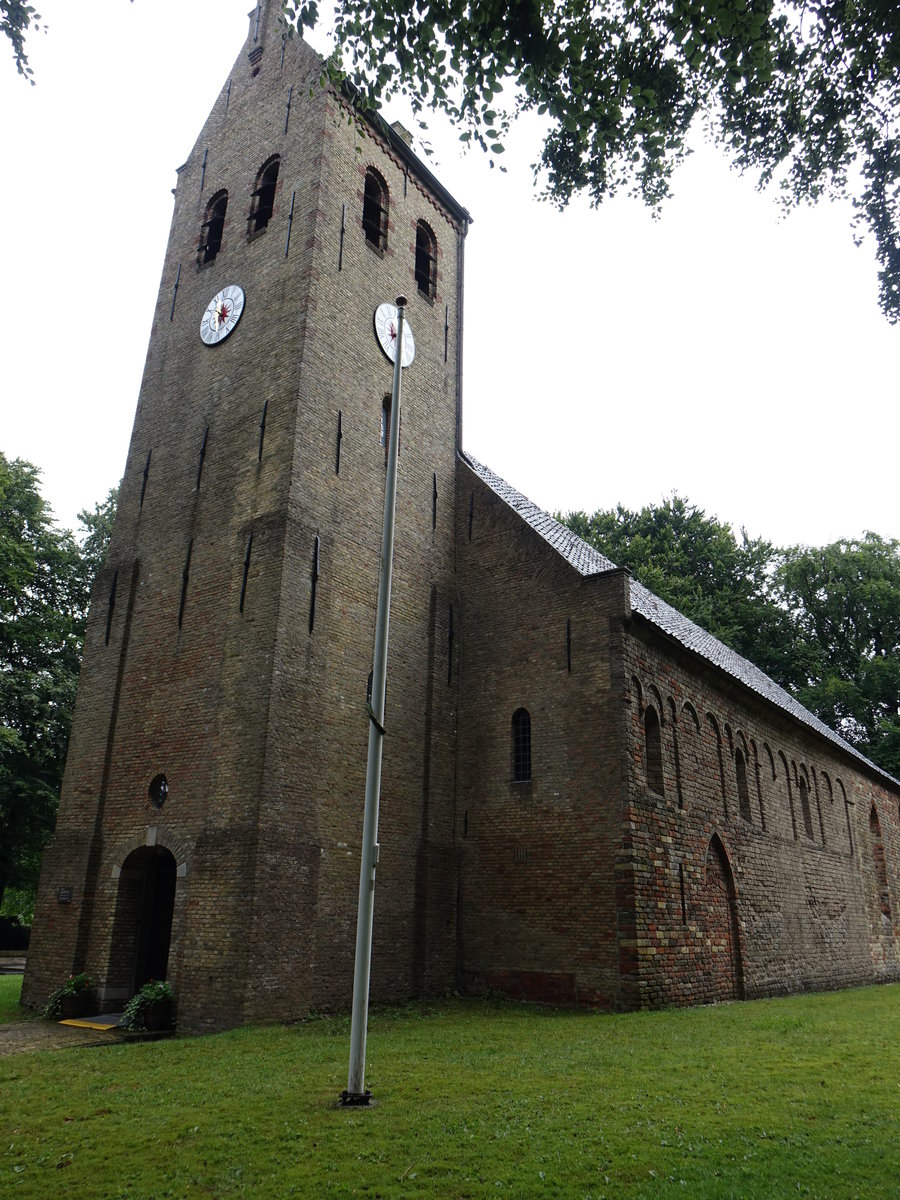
<point>844,601</point>
<point>796,93</point>
<point>45,583</point>
<point>823,622</point>
<point>695,563</point>
<point>16,19</point>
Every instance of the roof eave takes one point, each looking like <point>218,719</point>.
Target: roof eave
<point>374,118</point>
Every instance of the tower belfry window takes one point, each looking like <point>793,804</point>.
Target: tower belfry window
<point>212,228</point>
<point>426,260</point>
<point>264,195</point>
<point>375,210</point>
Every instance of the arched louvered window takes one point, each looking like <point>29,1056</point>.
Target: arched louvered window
<point>521,746</point>
<point>426,260</point>
<point>263,199</point>
<point>212,228</point>
<point>375,210</point>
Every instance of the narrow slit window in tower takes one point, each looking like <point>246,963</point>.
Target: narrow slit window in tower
<point>385,436</point>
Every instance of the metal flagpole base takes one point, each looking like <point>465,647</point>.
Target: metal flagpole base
<point>356,1099</point>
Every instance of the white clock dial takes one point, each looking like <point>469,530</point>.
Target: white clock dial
<point>222,314</point>
<point>386,331</point>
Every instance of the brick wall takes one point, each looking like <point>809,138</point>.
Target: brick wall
<point>680,841</point>
<point>772,900</point>
<point>539,905</point>
<point>254,707</point>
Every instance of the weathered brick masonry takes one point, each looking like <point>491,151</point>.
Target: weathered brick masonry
<point>689,833</point>
<point>673,829</point>
<point>244,573</point>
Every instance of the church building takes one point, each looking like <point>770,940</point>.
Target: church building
<point>586,799</point>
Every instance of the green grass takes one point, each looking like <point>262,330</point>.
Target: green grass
<point>10,990</point>
<point>788,1097</point>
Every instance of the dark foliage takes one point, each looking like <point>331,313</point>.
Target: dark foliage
<point>45,581</point>
<point>806,95</point>
<point>823,622</point>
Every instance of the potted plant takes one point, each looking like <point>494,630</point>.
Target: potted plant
<point>151,1008</point>
<point>76,998</point>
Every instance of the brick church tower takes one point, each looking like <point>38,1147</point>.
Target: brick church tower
<point>211,814</point>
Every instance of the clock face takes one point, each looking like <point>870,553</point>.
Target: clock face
<point>222,314</point>
<point>386,332</point>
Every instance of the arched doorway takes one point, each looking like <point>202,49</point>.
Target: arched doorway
<point>143,921</point>
<point>721,972</point>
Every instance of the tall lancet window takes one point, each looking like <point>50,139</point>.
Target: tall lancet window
<point>521,746</point>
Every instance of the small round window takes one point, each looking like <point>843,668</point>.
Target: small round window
<point>158,790</point>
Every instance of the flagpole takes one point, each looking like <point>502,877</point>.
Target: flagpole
<point>356,1093</point>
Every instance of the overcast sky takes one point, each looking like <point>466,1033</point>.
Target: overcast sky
<point>722,352</point>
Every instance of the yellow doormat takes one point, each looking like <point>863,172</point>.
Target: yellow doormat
<point>101,1023</point>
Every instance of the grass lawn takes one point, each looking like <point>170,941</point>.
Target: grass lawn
<point>10,989</point>
<point>787,1097</point>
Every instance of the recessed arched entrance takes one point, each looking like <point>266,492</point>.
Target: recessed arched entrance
<point>143,922</point>
<point>721,971</point>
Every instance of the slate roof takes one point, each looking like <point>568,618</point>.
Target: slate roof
<point>588,561</point>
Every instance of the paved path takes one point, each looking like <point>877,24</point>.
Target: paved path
<point>22,1036</point>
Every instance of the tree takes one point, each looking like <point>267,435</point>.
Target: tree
<point>45,582</point>
<point>696,564</point>
<point>806,95</point>
<point>98,526</point>
<point>822,622</point>
<point>844,601</point>
<point>16,19</point>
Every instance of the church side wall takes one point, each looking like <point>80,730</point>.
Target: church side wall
<point>539,857</point>
<point>755,865</point>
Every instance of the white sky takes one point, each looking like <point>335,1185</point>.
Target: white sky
<point>722,352</point>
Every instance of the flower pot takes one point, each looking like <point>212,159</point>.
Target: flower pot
<point>81,1004</point>
<point>160,1014</point>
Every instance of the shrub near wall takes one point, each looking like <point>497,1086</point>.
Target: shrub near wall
<point>13,934</point>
